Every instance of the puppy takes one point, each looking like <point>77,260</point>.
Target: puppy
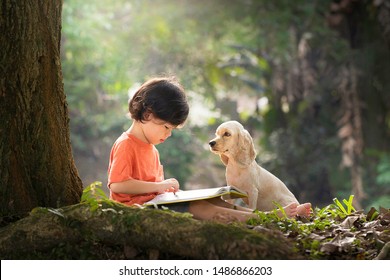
<point>235,147</point>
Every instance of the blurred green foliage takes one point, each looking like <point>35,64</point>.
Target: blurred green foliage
<point>383,170</point>
<point>237,60</point>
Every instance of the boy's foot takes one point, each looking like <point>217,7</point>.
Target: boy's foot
<point>293,209</point>
<point>304,209</point>
<point>290,210</point>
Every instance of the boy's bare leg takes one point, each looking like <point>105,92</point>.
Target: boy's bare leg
<point>218,210</point>
<point>291,209</point>
<point>205,210</point>
<point>302,209</point>
<point>222,203</point>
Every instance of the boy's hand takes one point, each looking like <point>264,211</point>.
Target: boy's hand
<point>170,189</point>
<point>170,185</point>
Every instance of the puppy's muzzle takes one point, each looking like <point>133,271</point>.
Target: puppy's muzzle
<point>212,143</point>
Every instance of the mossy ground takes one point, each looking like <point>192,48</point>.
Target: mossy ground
<point>333,232</point>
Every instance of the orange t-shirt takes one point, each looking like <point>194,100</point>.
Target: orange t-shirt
<point>132,158</point>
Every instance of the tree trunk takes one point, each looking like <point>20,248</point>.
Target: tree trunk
<point>36,163</point>
<point>164,234</point>
<point>384,18</point>
<point>351,131</point>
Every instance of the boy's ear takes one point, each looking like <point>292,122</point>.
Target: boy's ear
<point>148,115</point>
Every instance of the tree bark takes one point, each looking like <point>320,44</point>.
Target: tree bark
<point>36,163</point>
<point>351,131</point>
<point>173,234</point>
<point>384,18</point>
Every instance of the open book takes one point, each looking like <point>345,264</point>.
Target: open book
<point>227,192</point>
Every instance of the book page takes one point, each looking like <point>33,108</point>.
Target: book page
<point>190,195</point>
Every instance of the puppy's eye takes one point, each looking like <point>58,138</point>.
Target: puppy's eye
<point>226,134</point>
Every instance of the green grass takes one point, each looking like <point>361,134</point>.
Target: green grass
<point>336,231</point>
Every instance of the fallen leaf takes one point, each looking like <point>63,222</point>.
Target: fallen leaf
<point>339,244</point>
<point>349,221</point>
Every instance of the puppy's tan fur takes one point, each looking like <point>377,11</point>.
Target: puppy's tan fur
<point>235,147</point>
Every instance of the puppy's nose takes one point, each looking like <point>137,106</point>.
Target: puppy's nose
<point>212,143</point>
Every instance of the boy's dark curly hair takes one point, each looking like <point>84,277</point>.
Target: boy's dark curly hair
<point>164,98</point>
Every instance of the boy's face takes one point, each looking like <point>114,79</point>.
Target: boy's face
<point>156,131</point>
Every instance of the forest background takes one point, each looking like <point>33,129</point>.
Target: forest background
<point>308,79</point>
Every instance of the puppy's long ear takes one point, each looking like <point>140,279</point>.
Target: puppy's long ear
<point>224,159</point>
<point>245,152</point>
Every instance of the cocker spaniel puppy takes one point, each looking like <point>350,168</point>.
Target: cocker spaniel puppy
<point>235,147</point>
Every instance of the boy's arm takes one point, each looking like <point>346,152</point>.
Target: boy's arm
<point>138,187</point>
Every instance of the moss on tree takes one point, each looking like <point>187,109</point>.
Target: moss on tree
<point>76,231</point>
